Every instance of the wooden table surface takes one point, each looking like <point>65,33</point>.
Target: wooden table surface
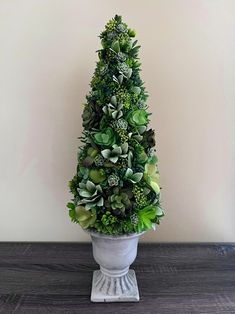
<point>172,278</point>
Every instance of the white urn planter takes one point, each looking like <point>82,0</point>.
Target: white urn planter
<point>114,282</point>
<point>116,188</point>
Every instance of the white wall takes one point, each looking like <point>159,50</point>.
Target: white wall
<point>47,57</point>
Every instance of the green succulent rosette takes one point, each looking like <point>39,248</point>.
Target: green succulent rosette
<point>97,175</point>
<point>85,218</point>
<point>138,117</point>
<point>104,138</point>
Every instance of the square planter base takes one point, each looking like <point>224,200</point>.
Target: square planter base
<point>114,289</point>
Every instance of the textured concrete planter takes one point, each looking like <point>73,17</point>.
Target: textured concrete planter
<point>114,282</point>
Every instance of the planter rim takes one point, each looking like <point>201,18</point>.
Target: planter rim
<point>114,237</point>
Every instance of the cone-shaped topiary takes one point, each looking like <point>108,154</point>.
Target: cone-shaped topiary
<point>117,180</point>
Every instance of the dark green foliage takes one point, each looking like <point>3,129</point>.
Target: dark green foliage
<point>116,187</point>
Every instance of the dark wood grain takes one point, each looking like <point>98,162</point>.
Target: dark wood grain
<point>172,278</point>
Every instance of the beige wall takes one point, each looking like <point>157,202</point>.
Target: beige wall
<point>47,57</point>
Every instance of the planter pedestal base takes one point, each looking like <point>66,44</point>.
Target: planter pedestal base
<point>114,289</point>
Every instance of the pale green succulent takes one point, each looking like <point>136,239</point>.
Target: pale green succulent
<point>129,159</point>
<point>133,177</point>
<point>92,152</point>
<point>151,175</point>
<point>136,90</point>
<point>104,138</point>
<point>83,172</point>
<point>116,152</point>
<point>86,218</point>
<point>138,117</point>
<point>97,175</point>
<point>114,109</point>
<point>118,79</point>
<point>91,195</point>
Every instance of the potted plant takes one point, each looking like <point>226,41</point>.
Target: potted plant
<point>116,193</point>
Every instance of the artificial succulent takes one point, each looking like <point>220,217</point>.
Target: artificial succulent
<point>146,217</point>
<point>99,160</point>
<point>122,124</point>
<point>138,117</point>
<point>90,194</point>
<point>119,202</point>
<point>86,218</point>
<point>113,109</point>
<point>151,175</point>
<point>133,177</point>
<point>116,152</point>
<point>104,137</point>
<point>90,116</point>
<point>148,140</point>
<point>97,175</point>
<point>124,69</point>
<point>113,180</point>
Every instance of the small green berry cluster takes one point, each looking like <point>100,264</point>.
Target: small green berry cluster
<point>110,54</point>
<point>122,163</point>
<point>123,135</point>
<point>120,131</point>
<point>108,219</point>
<point>140,198</point>
<point>127,226</point>
<point>124,98</point>
<point>123,36</point>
